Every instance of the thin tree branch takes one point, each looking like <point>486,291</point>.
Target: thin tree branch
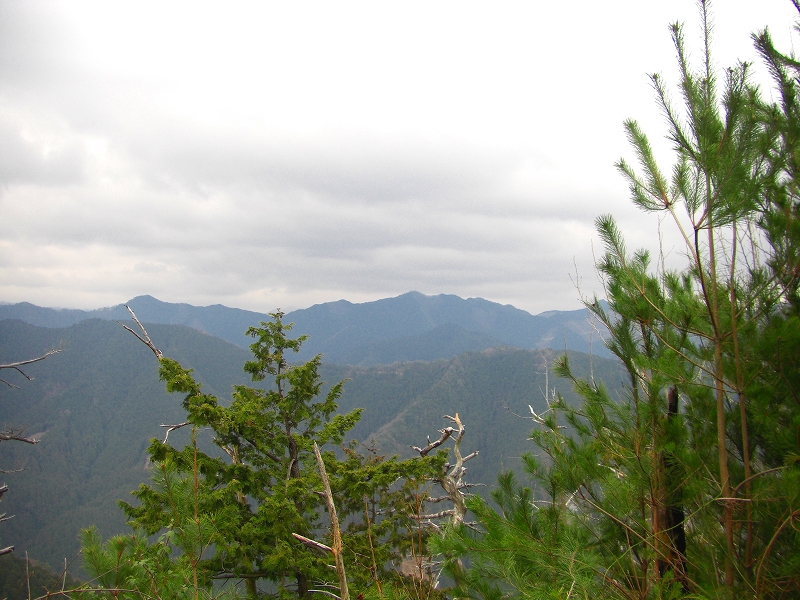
<point>326,592</point>
<point>335,535</point>
<point>446,433</point>
<point>16,366</point>
<point>315,545</point>
<point>439,515</point>
<point>8,436</point>
<point>144,338</point>
<point>171,428</point>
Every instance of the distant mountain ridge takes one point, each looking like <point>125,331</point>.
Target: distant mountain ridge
<point>411,326</point>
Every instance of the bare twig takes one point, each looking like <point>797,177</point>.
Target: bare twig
<point>16,365</point>
<point>469,456</point>
<point>144,338</point>
<point>446,433</point>
<point>11,435</point>
<point>439,515</point>
<point>313,544</point>
<point>437,499</point>
<point>171,428</point>
<point>336,536</point>
<point>326,592</point>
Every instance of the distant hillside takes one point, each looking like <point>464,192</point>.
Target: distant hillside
<point>412,326</point>
<point>342,329</point>
<point>220,321</point>
<point>96,405</point>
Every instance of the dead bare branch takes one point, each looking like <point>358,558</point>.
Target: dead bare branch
<point>439,515</point>
<point>144,338</point>
<point>171,428</point>
<point>335,534</point>
<point>326,592</point>
<point>16,365</point>
<point>469,456</point>
<point>11,435</point>
<point>437,499</point>
<point>446,433</point>
<point>451,481</point>
<point>313,544</point>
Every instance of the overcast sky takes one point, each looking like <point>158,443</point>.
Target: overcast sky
<point>282,154</point>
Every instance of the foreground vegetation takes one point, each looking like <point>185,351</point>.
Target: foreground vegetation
<point>689,484</point>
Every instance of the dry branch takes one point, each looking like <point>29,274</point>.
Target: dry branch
<point>326,592</point>
<point>313,544</point>
<point>171,428</point>
<point>11,435</point>
<point>446,433</point>
<point>144,338</point>
<point>451,481</point>
<point>439,515</point>
<point>336,535</point>
<point>16,366</point>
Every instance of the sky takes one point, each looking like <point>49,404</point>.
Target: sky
<point>281,154</point>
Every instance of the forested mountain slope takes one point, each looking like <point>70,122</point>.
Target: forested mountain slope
<point>96,405</point>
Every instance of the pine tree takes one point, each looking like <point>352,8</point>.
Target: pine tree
<point>233,515</point>
<point>265,491</point>
<point>688,483</point>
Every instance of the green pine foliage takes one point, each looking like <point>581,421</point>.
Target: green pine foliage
<point>688,483</point>
<point>231,515</point>
<point>130,566</point>
<point>266,488</point>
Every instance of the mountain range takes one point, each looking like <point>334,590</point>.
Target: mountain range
<point>411,326</point>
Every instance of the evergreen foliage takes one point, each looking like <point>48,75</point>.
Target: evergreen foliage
<point>233,516</point>
<point>689,483</point>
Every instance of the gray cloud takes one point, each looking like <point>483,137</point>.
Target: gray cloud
<point>27,158</point>
<point>278,159</point>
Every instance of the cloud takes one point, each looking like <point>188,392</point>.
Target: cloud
<point>262,155</point>
<point>30,153</point>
